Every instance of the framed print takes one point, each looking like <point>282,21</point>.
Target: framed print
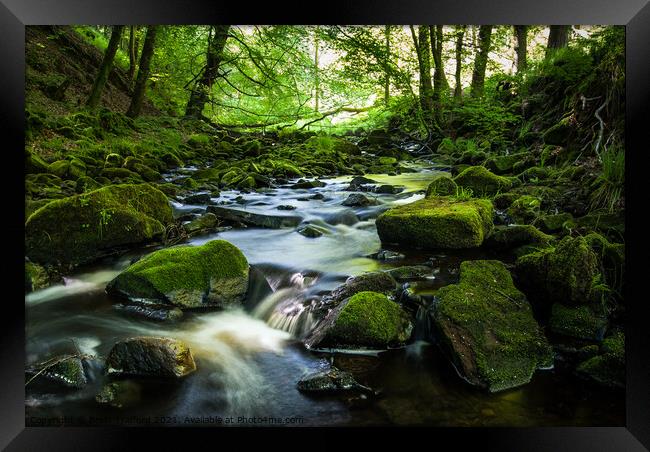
<point>380,215</point>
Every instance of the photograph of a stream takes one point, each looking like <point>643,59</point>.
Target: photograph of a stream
<point>266,226</point>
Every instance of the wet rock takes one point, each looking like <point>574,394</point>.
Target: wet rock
<point>309,231</point>
<point>439,222</point>
<point>150,311</point>
<point>84,227</point>
<point>120,394</point>
<point>373,281</point>
<point>410,273</point>
<point>205,222</point>
<point>580,322</point>
<point>286,207</point>
<point>343,216</point>
<point>360,183</point>
<point>317,196</point>
<point>389,189</point>
<point>487,328</point>
<point>330,381</point>
<point>608,368</point>
<point>200,198</point>
<point>302,183</point>
<point>36,277</point>
<point>367,319</point>
<point>358,200</point>
<point>389,256</point>
<point>65,371</point>
<point>147,356</point>
<point>211,275</point>
<point>235,216</point>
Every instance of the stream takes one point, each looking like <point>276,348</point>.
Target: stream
<point>250,359</point>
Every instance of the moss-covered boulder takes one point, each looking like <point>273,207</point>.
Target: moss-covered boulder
<point>371,281</point>
<point>150,357</point>
<point>555,222</point>
<point>508,237</point>
<point>487,328</point>
<point>35,164</point>
<point>82,228</point>
<point>211,275</point>
<point>580,322</point>
<point>36,277</point>
<point>608,368</point>
<point>367,319</point>
<point>441,222</point>
<point>503,164</point>
<point>525,209</point>
<point>482,182</point>
<point>562,274</point>
<point>441,186</point>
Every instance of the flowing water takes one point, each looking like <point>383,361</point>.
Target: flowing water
<point>250,359</point>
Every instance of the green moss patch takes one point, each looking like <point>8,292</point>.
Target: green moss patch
<point>482,182</point>
<point>487,327</point>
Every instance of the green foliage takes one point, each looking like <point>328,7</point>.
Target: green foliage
<point>609,186</point>
<point>485,120</point>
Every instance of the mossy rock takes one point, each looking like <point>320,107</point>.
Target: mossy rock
<point>441,186</point>
<point>113,161</point>
<point>86,183</point>
<point>68,169</point>
<point>440,222</point>
<point>82,228</point>
<point>563,274</point>
<point>608,368</point>
<point>555,223</point>
<point>610,224</point>
<point>147,173</point>
<point>387,161</point>
<point>508,237</point>
<point>211,275</point>
<point>482,182</point>
<point>504,164</point>
<point>145,356</point>
<point>198,140</point>
<point>557,134</point>
<point>579,322</point>
<point>119,174</point>
<point>487,328</point>
<point>36,277</point>
<point>525,209</point>
<point>447,146</point>
<point>373,281</point>
<point>367,319</point>
<point>35,164</point>
<point>504,200</point>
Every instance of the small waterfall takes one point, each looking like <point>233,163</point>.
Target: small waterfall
<point>423,333</point>
<point>288,309</point>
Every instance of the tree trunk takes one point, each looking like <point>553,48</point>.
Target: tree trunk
<point>200,92</point>
<point>386,76</point>
<point>105,68</point>
<point>521,32</point>
<point>132,57</point>
<point>316,72</point>
<point>424,65</point>
<point>440,84</point>
<point>480,62</point>
<point>460,34</point>
<point>143,72</point>
<point>558,37</point>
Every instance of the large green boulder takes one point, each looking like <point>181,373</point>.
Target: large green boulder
<point>211,275</point>
<point>82,228</point>
<point>482,182</point>
<point>580,322</point>
<point>367,319</point>
<point>441,186</point>
<point>440,222</point>
<point>560,274</point>
<point>487,328</point>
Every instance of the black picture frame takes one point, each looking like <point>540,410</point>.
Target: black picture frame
<point>634,14</point>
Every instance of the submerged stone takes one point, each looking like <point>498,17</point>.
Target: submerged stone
<point>487,328</point>
<point>439,222</point>
<point>329,381</point>
<point>211,275</point>
<point>358,200</point>
<point>254,219</point>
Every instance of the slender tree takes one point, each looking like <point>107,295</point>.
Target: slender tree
<point>558,37</point>
<point>132,53</point>
<point>480,62</point>
<point>214,56</point>
<point>460,34</point>
<point>105,67</point>
<point>316,71</point>
<point>421,42</point>
<point>386,72</point>
<point>143,72</point>
<point>440,84</point>
<point>521,33</point>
